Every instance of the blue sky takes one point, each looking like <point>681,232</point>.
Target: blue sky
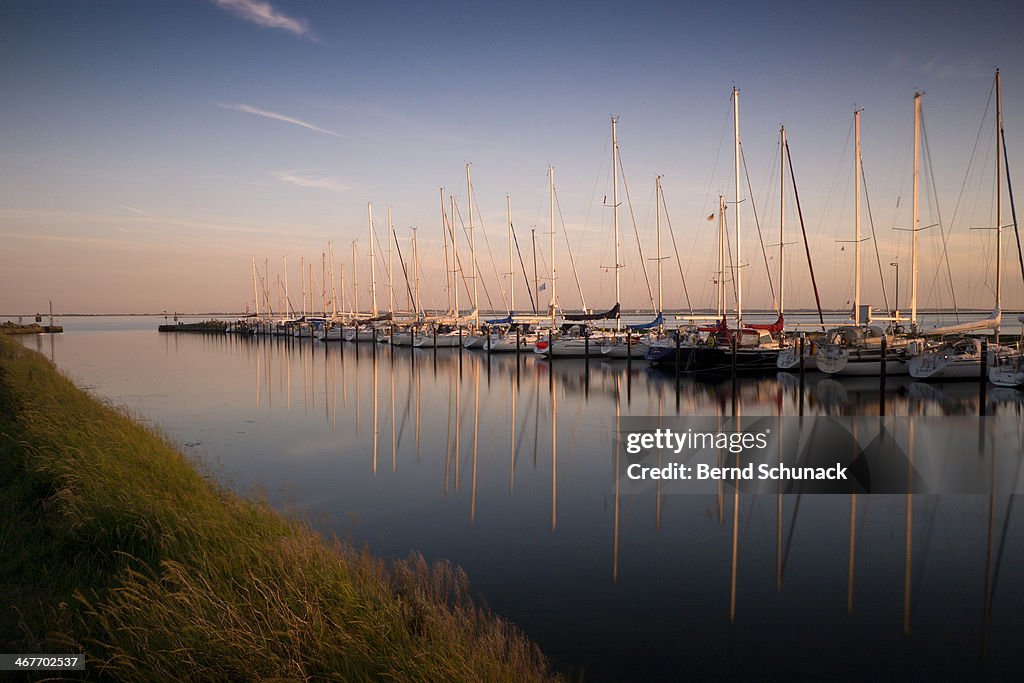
<point>150,149</point>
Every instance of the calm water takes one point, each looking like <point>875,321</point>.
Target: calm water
<point>459,460</point>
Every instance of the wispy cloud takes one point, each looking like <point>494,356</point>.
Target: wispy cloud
<point>305,180</point>
<point>968,67</point>
<point>133,209</point>
<point>249,109</point>
<point>264,14</point>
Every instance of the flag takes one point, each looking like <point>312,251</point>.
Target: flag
<point>711,217</point>
<point>542,287</point>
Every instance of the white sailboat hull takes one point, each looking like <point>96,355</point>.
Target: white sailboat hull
<point>937,367</point>
<point>446,340</point>
<point>621,349</point>
<point>361,334</point>
<point>1006,375</point>
<point>507,343</point>
<point>834,360</point>
<point>570,348</point>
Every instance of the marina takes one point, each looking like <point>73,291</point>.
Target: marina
<point>548,342</point>
<point>504,463</point>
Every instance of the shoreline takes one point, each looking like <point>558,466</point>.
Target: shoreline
<point>114,545</point>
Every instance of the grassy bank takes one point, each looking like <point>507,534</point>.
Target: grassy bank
<point>112,544</point>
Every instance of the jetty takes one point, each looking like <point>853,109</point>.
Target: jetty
<point>9,327</point>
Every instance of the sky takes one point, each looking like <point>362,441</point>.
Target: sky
<point>151,151</point>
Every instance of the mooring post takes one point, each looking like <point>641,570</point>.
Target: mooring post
<point>881,375</point>
<point>803,362</point>
<point>983,379</point>
<point>629,351</point>
<point>735,397</point>
<point>551,365</point>
<point>678,340</point>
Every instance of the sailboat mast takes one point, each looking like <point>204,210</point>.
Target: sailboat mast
<point>551,211</point>
<point>472,247</point>
<point>355,281</point>
<point>856,219</point>
<point>417,305</point>
<point>255,289</point>
<point>657,202</point>
<point>444,239</point>
<point>736,179</point>
<point>782,219</point>
<point>511,271</point>
<point>302,283</point>
<point>914,222</point>
<point>391,265</point>
<point>330,272</point>
<point>287,302</point>
<point>456,267</point>
<point>323,283</point>
<point>999,206</point>
<point>536,277</point>
<point>373,267</point>
<point>342,283</point>
<point>721,255</point>
<point>615,212</point>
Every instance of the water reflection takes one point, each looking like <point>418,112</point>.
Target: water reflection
<point>598,577</point>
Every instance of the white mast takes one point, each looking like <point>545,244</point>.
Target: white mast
<point>444,239</point>
<point>330,272</point>
<point>343,309</point>
<point>472,248</point>
<point>782,219</point>
<point>511,272</point>
<point>917,162</point>
<point>456,267</point>
<point>721,255</point>
<point>373,269</point>
<point>302,283</point>
<point>310,289</point>
<point>657,202</point>
<point>255,288</point>
<point>999,206</point>
<point>392,240</point>
<point>856,220</point>
<point>551,211</point>
<point>739,260</point>
<point>615,212</point>
<point>355,281</point>
<point>417,306</point>
<point>287,302</point>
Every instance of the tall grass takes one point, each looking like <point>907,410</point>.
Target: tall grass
<point>113,544</point>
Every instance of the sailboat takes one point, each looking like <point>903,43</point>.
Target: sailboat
<point>757,346</point>
<point>635,344</point>
<point>857,349</point>
<point>364,330</point>
<point>447,332</point>
<point>574,337</point>
<point>960,357</point>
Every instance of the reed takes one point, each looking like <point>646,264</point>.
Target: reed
<point>114,544</point>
